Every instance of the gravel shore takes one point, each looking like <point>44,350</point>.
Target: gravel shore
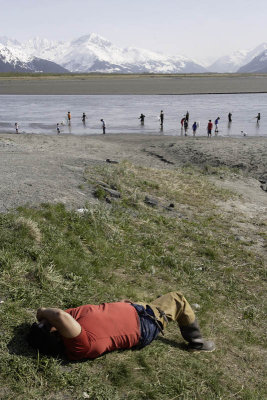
<point>38,168</point>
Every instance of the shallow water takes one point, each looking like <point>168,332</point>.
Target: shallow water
<point>40,113</point>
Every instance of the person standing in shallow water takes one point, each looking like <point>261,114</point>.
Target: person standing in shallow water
<point>216,124</point>
<point>84,117</point>
<point>258,118</point>
<point>103,126</point>
<point>17,127</point>
<point>230,117</point>
<point>69,117</point>
<point>209,128</point>
<point>187,116</point>
<point>142,119</point>
<point>194,128</point>
<point>161,117</point>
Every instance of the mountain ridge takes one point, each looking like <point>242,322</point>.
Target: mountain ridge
<point>256,65</point>
<point>94,53</point>
<point>236,60</point>
<point>12,62</point>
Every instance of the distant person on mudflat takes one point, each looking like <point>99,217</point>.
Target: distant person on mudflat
<point>194,128</point>
<point>230,117</point>
<point>216,122</point>
<point>258,117</point>
<point>103,126</point>
<point>58,130</point>
<point>161,117</point>
<point>209,128</point>
<point>142,118</point>
<point>17,127</point>
<point>187,116</point>
<point>89,331</point>
<point>69,117</point>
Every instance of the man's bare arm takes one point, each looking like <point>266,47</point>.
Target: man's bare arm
<point>66,325</point>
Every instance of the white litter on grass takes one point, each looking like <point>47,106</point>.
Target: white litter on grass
<point>82,210</point>
<point>196,306</point>
<point>1,301</point>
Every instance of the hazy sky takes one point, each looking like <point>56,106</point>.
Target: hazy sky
<point>195,28</point>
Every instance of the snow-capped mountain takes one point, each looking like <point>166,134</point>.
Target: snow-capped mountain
<point>257,65</point>
<point>233,62</point>
<point>15,60</point>
<point>93,53</point>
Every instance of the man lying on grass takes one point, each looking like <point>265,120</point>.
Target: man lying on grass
<point>91,330</point>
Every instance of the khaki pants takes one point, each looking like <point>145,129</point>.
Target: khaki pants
<point>175,307</point>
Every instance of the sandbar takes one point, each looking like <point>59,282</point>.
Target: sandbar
<point>132,84</point>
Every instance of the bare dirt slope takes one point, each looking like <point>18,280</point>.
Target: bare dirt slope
<point>35,169</point>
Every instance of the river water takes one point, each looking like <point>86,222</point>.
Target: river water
<point>39,114</point>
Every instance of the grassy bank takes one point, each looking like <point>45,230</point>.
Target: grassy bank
<point>126,248</point>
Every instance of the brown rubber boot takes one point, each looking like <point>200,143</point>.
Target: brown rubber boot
<point>191,333</point>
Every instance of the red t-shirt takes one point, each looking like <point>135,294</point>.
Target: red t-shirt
<point>210,126</point>
<point>105,327</point>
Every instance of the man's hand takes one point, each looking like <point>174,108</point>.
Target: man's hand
<point>39,314</point>
<point>42,321</point>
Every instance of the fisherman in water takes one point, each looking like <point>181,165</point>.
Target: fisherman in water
<point>69,117</point>
<point>84,117</point>
<point>103,126</point>
<point>194,128</point>
<point>17,127</point>
<point>216,122</point>
<point>258,118</point>
<point>161,117</point>
<point>142,119</point>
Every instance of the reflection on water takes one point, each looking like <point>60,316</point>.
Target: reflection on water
<point>40,114</point>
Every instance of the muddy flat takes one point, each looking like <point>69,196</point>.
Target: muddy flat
<point>133,84</point>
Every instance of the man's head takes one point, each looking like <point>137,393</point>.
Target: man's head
<point>48,343</point>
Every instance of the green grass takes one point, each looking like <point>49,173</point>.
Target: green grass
<point>126,249</point>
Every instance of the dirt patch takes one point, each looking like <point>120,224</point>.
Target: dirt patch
<point>248,155</point>
<point>248,213</point>
<point>38,168</point>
